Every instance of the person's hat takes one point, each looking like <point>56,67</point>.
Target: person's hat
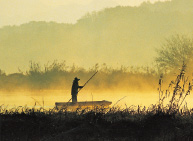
<point>76,79</point>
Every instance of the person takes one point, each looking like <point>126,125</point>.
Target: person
<point>74,90</point>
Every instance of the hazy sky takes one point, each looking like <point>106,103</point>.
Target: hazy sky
<point>15,12</point>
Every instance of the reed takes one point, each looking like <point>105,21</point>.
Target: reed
<point>57,75</point>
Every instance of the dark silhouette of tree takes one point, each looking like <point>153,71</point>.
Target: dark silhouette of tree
<point>174,52</point>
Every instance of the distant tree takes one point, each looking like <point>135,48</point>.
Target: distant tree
<point>174,52</point>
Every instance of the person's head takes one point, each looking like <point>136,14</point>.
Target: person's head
<point>76,79</point>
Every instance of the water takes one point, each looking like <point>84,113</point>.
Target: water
<point>123,99</point>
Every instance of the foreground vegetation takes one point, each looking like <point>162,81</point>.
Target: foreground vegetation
<point>133,123</point>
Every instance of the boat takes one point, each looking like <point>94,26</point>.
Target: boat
<point>84,104</point>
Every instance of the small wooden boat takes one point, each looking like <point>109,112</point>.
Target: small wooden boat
<point>83,104</point>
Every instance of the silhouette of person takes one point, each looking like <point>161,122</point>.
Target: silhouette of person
<point>74,90</point>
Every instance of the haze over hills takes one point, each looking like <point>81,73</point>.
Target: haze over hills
<point>116,36</point>
<point>16,12</point>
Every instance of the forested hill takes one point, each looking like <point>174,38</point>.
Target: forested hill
<point>116,36</point>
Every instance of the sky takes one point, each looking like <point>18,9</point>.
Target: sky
<point>16,12</point>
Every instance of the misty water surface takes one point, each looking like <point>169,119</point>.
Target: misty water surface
<point>15,99</point>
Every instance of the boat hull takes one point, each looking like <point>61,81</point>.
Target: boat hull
<point>83,104</point>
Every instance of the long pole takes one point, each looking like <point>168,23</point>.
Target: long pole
<point>88,80</point>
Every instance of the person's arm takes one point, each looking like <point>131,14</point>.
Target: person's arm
<point>80,86</point>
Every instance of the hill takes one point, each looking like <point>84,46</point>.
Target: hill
<point>116,36</point>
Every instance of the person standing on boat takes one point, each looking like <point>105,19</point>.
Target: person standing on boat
<point>74,90</point>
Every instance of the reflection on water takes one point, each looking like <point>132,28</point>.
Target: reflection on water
<point>15,99</point>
